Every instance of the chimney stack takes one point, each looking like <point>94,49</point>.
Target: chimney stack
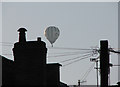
<point>22,37</point>
<point>39,39</point>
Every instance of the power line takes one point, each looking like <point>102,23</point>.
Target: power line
<point>116,65</point>
<point>6,54</point>
<point>75,58</point>
<point>88,71</point>
<point>69,54</point>
<point>60,48</point>
<point>69,48</point>
<point>76,61</point>
<point>6,43</point>
<point>111,50</point>
<point>111,65</point>
<point>80,52</point>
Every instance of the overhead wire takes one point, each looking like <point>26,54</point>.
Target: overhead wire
<point>68,54</point>
<point>6,54</point>
<point>80,52</point>
<point>68,48</point>
<point>76,60</point>
<point>6,43</point>
<point>62,48</point>
<point>116,48</point>
<point>10,44</point>
<point>87,72</point>
<point>78,57</point>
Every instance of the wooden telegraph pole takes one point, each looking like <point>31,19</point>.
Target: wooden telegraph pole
<point>104,62</point>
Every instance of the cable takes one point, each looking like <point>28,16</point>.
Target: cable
<point>72,52</point>
<point>74,58</point>
<point>68,48</point>
<point>6,43</point>
<point>87,73</point>
<point>68,54</point>
<point>6,54</point>
<point>116,65</point>
<point>116,48</point>
<point>76,61</point>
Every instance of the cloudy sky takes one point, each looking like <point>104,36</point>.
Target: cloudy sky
<point>81,25</point>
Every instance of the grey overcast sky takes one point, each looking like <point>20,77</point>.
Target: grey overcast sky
<point>81,25</point>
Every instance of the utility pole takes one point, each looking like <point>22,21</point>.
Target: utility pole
<point>97,72</point>
<point>104,62</point>
<point>78,83</point>
<point>96,60</point>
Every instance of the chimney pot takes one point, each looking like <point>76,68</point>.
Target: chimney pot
<point>39,39</point>
<point>22,30</point>
<point>22,37</point>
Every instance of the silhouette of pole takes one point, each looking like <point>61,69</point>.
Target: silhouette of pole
<point>95,60</point>
<point>97,72</point>
<point>104,62</point>
<point>78,83</point>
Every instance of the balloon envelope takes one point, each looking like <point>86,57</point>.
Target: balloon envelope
<point>52,33</point>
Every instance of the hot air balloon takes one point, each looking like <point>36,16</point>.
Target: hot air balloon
<point>52,33</point>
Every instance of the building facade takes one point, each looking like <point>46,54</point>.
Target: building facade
<point>29,67</point>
